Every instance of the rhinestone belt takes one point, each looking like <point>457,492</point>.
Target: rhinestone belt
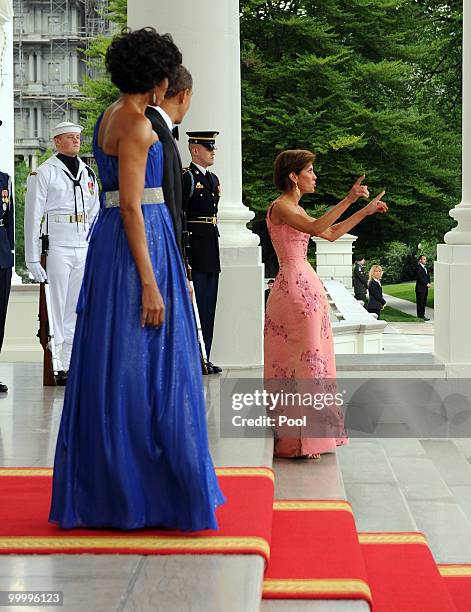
<point>151,195</point>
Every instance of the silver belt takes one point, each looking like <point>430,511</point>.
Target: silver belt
<point>79,218</point>
<point>150,195</point>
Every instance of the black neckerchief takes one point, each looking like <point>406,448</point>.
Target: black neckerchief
<point>70,162</point>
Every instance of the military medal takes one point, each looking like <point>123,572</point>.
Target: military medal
<point>199,185</point>
<point>91,187</point>
<point>5,198</point>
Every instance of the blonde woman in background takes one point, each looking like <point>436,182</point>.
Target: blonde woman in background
<point>376,302</point>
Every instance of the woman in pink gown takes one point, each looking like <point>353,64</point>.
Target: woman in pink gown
<point>299,343</point>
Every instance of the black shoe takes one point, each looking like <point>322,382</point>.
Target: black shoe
<point>61,378</point>
<point>424,318</point>
<point>214,368</point>
<point>3,388</point>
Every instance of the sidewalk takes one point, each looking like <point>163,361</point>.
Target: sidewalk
<point>406,306</point>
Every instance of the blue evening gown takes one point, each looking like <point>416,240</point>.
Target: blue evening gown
<point>132,449</point>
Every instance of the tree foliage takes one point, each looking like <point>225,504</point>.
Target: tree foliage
<point>372,86</point>
<point>98,91</point>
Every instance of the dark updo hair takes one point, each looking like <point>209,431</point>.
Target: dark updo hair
<point>140,59</point>
<point>292,160</point>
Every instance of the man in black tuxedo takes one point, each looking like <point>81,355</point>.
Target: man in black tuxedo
<point>7,246</point>
<point>165,120</point>
<point>422,284</point>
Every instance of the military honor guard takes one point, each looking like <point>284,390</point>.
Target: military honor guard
<point>201,193</point>
<point>61,202</point>
<point>7,245</point>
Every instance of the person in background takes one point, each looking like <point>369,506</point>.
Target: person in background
<point>61,201</point>
<point>360,280</point>
<point>270,284</point>
<point>376,302</point>
<point>7,246</point>
<point>201,194</point>
<point>422,285</point>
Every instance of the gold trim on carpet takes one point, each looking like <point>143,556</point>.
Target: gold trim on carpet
<point>223,471</point>
<point>392,538</point>
<point>25,471</point>
<point>317,586</point>
<point>311,505</point>
<point>457,571</point>
<point>135,543</point>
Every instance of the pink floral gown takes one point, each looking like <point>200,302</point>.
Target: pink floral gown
<point>298,335</point>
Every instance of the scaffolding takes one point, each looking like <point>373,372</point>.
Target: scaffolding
<point>60,32</point>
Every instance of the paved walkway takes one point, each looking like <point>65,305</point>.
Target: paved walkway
<point>406,306</point>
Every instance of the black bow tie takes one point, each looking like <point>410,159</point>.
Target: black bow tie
<point>175,132</point>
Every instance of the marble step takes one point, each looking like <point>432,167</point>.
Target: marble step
<point>388,365</point>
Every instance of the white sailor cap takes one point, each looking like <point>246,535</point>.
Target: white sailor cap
<point>66,127</point>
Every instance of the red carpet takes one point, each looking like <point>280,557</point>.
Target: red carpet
<point>402,574</point>
<point>312,548</point>
<point>457,579</point>
<point>315,553</point>
<point>245,521</point>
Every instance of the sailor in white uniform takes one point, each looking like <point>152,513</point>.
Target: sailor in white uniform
<point>61,201</point>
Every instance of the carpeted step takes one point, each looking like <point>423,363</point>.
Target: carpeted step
<point>457,579</point>
<point>402,574</point>
<point>245,521</point>
<point>315,553</point>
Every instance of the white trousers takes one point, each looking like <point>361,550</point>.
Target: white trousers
<point>65,267</point>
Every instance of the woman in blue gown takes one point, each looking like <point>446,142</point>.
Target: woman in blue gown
<point>132,449</point>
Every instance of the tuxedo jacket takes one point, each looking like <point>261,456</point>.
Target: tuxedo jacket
<point>172,175</point>
<point>422,279</point>
<point>375,292</point>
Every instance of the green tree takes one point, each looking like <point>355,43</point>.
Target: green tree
<point>21,174</point>
<point>98,90</point>
<point>344,78</point>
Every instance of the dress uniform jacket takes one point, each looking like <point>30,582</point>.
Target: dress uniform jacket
<point>52,192</point>
<point>7,233</point>
<point>201,194</point>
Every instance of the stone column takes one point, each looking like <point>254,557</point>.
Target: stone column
<point>39,71</point>
<point>334,259</point>
<point>207,32</point>
<point>73,16</point>
<point>31,67</point>
<point>453,265</point>
<point>74,67</point>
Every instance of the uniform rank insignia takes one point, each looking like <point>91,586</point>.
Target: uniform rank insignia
<point>91,187</point>
<point>33,173</point>
<point>199,185</point>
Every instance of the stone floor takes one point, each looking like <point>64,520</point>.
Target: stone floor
<point>393,484</point>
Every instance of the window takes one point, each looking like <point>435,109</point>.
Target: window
<point>54,72</point>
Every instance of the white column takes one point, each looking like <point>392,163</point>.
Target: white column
<point>31,122</point>
<point>31,67</point>
<point>334,259</point>
<point>208,35</point>
<point>453,265</point>
<point>73,14</point>
<point>74,67</point>
<point>7,133</point>
<point>39,71</point>
<point>40,123</point>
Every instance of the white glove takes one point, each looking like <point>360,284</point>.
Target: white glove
<point>37,271</point>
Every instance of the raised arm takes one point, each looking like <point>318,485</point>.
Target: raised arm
<point>339,229</point>
<point>298,218</point>
<point>132,154</point>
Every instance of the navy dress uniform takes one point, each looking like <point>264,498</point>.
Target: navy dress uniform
<point>201,194</point>
<point>62,201</point>
<point>7,245</point>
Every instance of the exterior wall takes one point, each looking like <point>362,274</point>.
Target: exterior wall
<point>48,68</point>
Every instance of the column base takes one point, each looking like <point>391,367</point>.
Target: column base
<point>238,328</point>
<point>452,272</point>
